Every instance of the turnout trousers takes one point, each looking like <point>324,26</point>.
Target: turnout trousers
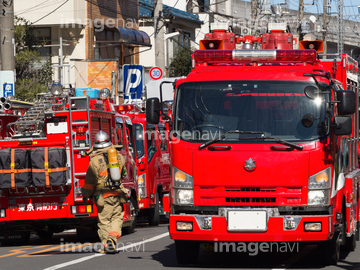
<point>110,219</point>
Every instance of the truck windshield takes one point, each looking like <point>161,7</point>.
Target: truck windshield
<point>203,110</point>
<point>139,139</point>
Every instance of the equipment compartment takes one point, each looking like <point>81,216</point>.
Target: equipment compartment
<point>48,166</point>
<point>14,168</point>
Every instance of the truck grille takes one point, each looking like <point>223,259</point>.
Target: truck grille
<point>250,196</point>
<point>249,200</point>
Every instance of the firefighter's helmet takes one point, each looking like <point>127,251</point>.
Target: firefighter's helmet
<point>101,140</point>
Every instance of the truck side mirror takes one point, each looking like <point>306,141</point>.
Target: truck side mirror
<point>347,104</point>
<point>311,91</point>
<point>153,110</point>
<point>342,125</point>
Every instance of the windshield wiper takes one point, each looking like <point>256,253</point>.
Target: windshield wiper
<point>297,146</point>
<point>219,138</point>
<point>202,146</point>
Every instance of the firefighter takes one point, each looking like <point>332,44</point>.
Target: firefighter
<point>109,195</point>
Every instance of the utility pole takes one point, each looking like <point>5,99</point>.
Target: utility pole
<point>159,34</point>
<point>301,17</point>
<point>340,27</point>
<point>324,27</point>
<point>7,35</point>
<point>254,11</point>
<point>7,48</point>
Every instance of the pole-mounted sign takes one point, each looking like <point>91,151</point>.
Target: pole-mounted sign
<point>156,73</point>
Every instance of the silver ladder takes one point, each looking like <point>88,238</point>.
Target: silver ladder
<point>32,122</point>
<point>76,147</point>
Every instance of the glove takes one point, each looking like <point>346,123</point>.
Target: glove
<point>85,200</point>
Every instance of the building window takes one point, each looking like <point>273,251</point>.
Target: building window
<point>107,44</point>
<point>44,35</point>
<point>203,5</point>
<point>181,41</point>
<point>128,55</point>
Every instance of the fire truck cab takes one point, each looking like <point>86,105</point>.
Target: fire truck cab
<point>267,148</point>
<point>44,161</point>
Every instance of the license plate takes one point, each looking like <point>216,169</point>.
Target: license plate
<point>247,220</point>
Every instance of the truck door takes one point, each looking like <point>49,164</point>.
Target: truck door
<point>153,156</point>
<point>121,140</point>
<point>164,150</point>
<point>132,148</point>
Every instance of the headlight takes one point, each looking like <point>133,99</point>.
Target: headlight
<point>182,180</point>
<point>318,197</point>
<point>142,185</point>
<point>182,187</point>
<point>141,180</point>
<point>321,180</point>
<point>185,196</point>
<point>319,188</point>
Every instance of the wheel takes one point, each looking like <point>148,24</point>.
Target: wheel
<point>89,233</point>
<point>131,228</point>
<point>154,217</point>
<point>45,234</point>
<point>330,250</point>
<point>350,243</point>
<point>187,252</point>
<point>24,237</point>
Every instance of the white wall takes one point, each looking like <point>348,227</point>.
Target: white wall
<point>181,4</point>
<point>67,22</point>
<point>33,10</point>
<point>147,59</point>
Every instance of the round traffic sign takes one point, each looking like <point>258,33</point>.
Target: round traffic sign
<point>155,73</point>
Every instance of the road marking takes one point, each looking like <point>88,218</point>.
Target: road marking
<point>21,250</point>
<point>58,266</point>
<point>39,253</point>
<point>295,258</point>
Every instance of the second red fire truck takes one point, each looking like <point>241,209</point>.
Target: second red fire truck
<point>266,147</point>
<point>43,164</point>
<point>153,164</point>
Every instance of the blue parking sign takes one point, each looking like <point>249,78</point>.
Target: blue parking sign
<point>8,89</point>
<point>133,81</point>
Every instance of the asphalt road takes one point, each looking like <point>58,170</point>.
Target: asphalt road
<point>151,248</point>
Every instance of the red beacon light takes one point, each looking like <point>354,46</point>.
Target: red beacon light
<point>126,108</point>
<point>249,56</point>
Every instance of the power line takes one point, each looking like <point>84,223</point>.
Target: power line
<point>51,12</point>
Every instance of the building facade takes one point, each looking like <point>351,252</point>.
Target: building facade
<point>87,40</point>
<point>179,26</point>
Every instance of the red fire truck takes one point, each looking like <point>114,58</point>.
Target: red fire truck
<point>43,164</point>
<point>267,148</point>
<point>153,164</point>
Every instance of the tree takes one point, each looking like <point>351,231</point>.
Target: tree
<point>32,77</point>
<point>181,64</point>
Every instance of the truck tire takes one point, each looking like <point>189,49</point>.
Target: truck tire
<point>350,243</point>
<point>45,234</point>
<point>187,252</point>
<point>131,228</point>
<point>330,250</point>
<point>154,216</point>
<point>23,240</point>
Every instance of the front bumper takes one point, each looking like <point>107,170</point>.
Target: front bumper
<point>273,229</point>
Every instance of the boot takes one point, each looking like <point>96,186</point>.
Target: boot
<point>111,246</point>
